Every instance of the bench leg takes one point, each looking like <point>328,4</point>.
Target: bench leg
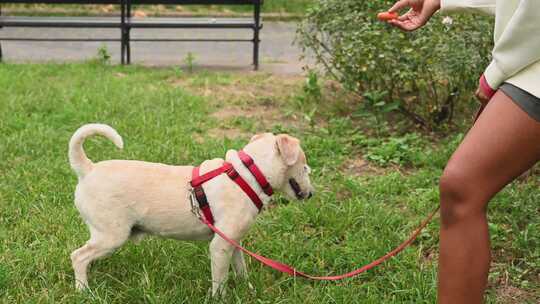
<point>123,31</point>
<point>128,46</point>
<point>256,40</point>
<point>1,55</point>
<point>128,33</point>
<point>122,48</point>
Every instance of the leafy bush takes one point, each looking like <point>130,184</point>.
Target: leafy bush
<point>424,74</point>
<point>103,55</point>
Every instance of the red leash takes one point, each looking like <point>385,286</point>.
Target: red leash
<point>293,272</point>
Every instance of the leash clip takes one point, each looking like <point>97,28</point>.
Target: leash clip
<point>194,204</point>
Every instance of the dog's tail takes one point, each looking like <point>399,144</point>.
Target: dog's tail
<point>77,158</point>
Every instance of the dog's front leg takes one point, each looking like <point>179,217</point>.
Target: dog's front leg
<point>220,255</point>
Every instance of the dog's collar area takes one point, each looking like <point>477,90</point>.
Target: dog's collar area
<point>296,188</point>
<point>257,174</point>
<point>198,180</point>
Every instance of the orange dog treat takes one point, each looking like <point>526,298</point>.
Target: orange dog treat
<point>385,16</point>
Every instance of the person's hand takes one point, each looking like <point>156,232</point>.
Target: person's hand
<point>482,98</point>
<point>418,15</point>
<point>484,91</point>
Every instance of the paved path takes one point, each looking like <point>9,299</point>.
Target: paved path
<point>278,54</point>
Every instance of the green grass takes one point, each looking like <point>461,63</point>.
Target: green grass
<point>351,220</point>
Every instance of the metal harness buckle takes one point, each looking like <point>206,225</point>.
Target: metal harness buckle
<point>194,203</point>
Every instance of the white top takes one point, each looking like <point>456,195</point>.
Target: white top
<point>516,55</point>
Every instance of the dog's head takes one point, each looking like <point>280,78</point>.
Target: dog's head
<point>287,168</point>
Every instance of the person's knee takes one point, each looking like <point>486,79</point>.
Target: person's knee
<point>453,185</point>
<point>459,199</point>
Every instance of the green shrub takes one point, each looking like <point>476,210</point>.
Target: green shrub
<point>103,55</point>
<point>424,75</point>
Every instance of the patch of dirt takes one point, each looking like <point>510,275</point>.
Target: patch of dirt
<point>357,166</point>
<point>139,14</point>
<point>227,133</point>
<point>220,133</point>
<point>507,294</point>
<point>360,167</point>
<point>259,98</point>
<point>265,116</point>
<point>107,8</point>
<point>258,111</point>
<point>267,88</point>
<point>502,286</point>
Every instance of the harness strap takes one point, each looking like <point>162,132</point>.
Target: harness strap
<point>241,182</point>
<point>201,197</point>
<point>198,180</point>
<point>256,172</point>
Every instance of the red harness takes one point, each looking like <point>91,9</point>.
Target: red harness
<point>208,219</point>
<point>198,180</point>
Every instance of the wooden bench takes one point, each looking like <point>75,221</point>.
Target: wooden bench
<point>126,22</point>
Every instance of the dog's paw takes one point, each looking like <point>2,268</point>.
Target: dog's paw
<point>218,293</point>
<point>81,286</point>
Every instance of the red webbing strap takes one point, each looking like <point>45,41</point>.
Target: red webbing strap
<point>293,272</point>
<point>241,182</point>
<point>259,176</point>
<point>199,180</point>
<point>195,174</point>
<point>201,197</point>
<point>207,213</point>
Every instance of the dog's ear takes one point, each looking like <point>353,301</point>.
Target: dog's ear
<point>289,148</point>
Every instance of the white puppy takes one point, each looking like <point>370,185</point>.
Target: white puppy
<point>122,199</point>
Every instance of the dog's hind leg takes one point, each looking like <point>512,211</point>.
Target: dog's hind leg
<point>137,235</point>
<point>99,245</point>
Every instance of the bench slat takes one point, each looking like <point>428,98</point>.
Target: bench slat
<point>111,22</point>
<point>62,1</point>
<point>137,2</point>
<point>194,2</point>
<point>94,22</point>
<point>161,22</point>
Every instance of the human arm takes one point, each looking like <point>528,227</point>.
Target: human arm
<point>518,46</point>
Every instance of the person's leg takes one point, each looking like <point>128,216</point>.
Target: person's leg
<point>503,143</point>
